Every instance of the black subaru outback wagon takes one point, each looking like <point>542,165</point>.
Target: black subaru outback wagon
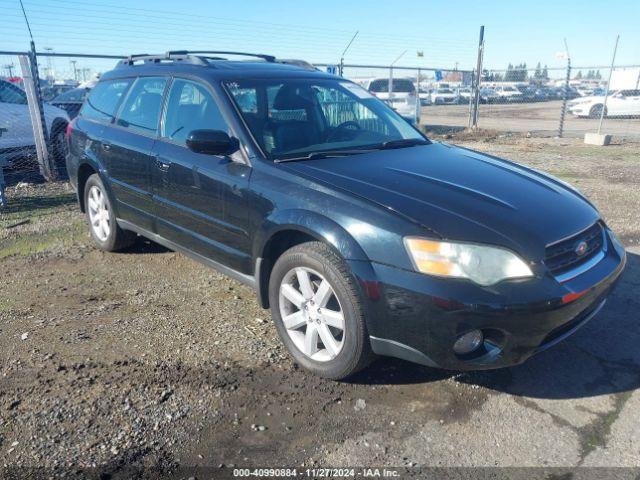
<point>360,234</point>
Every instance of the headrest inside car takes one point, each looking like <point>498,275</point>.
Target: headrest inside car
<point>291,97</point>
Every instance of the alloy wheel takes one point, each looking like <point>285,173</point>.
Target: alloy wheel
<point>98,213</point>
<point>311,314</point>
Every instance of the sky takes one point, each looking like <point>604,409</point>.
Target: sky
<point>318,31</point>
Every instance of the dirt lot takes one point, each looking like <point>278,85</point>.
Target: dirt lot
<point>145,358</point>
<point>539,118</point>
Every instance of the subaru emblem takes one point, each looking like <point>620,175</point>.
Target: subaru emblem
<point>581,248</point>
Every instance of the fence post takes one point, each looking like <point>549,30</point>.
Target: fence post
<point>476,93</point>
<point>390,85</point>
<point>38,124</point>
<point>418,106</point>
<point>565,93</point>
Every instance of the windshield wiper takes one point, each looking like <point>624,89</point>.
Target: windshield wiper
<point>402,143</point>
<point>323,154</point>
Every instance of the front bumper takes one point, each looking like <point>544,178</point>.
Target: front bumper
<point>418,318</point>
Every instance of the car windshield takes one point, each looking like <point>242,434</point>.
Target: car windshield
<point>296,118</point>
<point>444,90</point>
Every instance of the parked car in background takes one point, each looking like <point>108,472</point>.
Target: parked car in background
<point>528,93</point>
<point>49,92</point>
<point>441,96</point>
<point>71,101</point>
<point>622,103</point>
<point>403,97</point>
<point>464,95</point>
<point>508,94</point>
<point>16,131</point>
<point>488,95</point>
<point>409,248</point>
<point>425,96</point>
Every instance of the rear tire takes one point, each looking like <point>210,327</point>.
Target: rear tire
<point>101,218</point>
<point>596,111</point>
<point>60,150</point>
<point>325,329</point>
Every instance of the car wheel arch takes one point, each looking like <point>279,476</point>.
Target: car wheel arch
<point>85,170</point>
<point>294,227</point>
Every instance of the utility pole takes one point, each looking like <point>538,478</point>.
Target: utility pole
<point>606,92</point>
<point>344,53</point>
<point>476,91</point>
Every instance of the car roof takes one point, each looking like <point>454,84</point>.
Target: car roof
<point>217,70</point>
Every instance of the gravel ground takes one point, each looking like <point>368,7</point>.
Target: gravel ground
<point>146,359</point>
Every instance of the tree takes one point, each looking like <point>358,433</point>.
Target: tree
<point>545,73</point>
<point>578,75</point>
<point>538,72</point>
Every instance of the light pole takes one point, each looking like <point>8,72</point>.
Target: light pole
<point>49,67</point>
<point>391,74</point>
<point>75,71</point>
<point>9,67</point>
<point>345,51</point>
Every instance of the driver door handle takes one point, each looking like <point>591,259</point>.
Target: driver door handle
<point>163,165</point>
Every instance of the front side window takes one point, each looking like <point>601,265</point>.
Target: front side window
<point>141,109</point>
<point>304,116</point>
<point>103,101</point>
<point>190,107</point>
<point>12,94</point>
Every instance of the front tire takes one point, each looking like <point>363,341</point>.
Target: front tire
<point>101,218</point>
<point>318,311</point>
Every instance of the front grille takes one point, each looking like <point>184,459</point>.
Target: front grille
<point>561,257</point>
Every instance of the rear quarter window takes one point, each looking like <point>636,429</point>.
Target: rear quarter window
<point>102,103</point>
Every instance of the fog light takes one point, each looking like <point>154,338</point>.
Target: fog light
<point>468,342</point>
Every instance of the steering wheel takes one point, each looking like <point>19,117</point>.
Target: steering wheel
<point>342,126</point>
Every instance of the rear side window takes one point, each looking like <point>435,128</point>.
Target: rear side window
<point>104,99</point>
<point>141,109</point>
<point>400,85</point>
<point>12,94</point>
<point>190,107</point>
<point>75,95</point>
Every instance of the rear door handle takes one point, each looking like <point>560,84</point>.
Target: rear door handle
<point>106,146</point>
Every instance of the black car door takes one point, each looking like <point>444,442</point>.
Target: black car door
<point>128,150</point>
<point>200,199</point>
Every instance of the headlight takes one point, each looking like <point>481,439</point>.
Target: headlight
<point>482,264</point>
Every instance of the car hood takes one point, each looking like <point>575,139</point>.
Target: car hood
<point>460,194</point>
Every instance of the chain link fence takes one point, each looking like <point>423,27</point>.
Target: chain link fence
<point>34,114</point>
<point>518,99</point>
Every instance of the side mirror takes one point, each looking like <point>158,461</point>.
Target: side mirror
<point>212,142</point>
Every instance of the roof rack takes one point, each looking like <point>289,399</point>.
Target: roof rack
<point>199,57</point>
<point>268,58</point>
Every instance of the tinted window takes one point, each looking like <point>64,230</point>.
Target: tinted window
<point>190,107</point>
<point>401,85</point>
<point>12,94</point>
<point>75,95</point>
<point>303,116</point>
<point>104,99</point>
<point>141,109</point>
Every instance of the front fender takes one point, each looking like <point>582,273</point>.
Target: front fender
<point>317,226</point>
<point>313,224</point>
